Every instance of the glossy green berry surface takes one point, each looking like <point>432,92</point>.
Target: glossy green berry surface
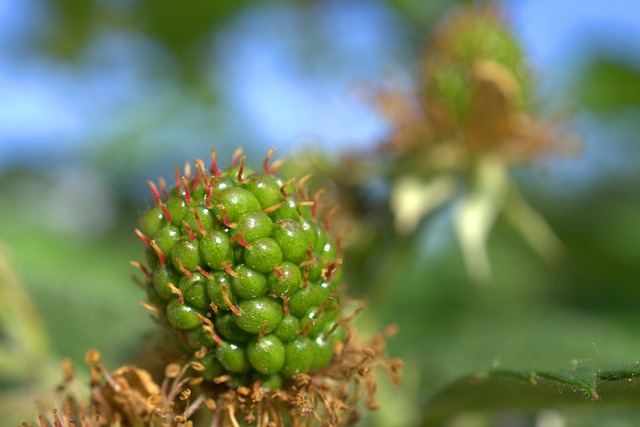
<point>243,272</point>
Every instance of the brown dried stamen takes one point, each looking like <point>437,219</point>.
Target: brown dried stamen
<point>178,180</point>
<point>142,237</point>
<point>187,227</point>
<point>273,208</point>
<point>238,238</point>
<point>301,183</point>
<point>144,270</point>
<point>330,215</point>
<point>187,171</point>
<point>236,155</point>
<point>176,292</point>
<point>154,190</point>
<point>263,330</point>
<point>204,272</point>
<point>201,229</point>
<point>284,186</point>
<point>227,266</point>
<point>225,297</point>
<point>182,269</point>
<point>209,196</point>
<point>225,216</point>
<point>158,251</point>
<point>151,308</point>
<point>187,192</point>
<point>213,168</point>
<point>265,163</point>
<point>163,188</point>
<point>241,170</point>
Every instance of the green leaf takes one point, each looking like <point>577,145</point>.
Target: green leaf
<point>530,390</point>
<point>610,85</point>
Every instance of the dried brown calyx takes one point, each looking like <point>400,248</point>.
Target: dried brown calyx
<point>129,396</point>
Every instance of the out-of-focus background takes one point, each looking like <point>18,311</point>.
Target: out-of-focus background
<point>97,97</point>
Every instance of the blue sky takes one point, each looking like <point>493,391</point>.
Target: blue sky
<point>275,93</point>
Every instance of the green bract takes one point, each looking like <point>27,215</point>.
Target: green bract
<point>244,273</point>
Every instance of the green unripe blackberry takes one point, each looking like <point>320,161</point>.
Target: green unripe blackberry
<point>266,354</point>
<point>242,270</point>
<point>166,237</point>
<point>227,328</point>
<point>292,239</point>
<point>288,210</point>
<point>263,255</point>
<point>302,300</point>
<point>233,357</point>
<point>268,382</point>
<point>199,218</point>
<point>161,276</point>
<point>197,338</point>
<point>248,283</point>
<point>212,367</point>
<point>235,201</point>
<point>254,226</point>
<point>315,320</point>
<point>193,288</point>
<point>219,291</point>
<point>262,314</point>
<point>299,357</point>
<point>152,221</point>
<point>285,279</point>
<point>288,329</point>
<point>181,315</point>
<point>322,352</point>
<point>177,208</point>
<point>265,188</point>
<point>186,254</point>
<point>215,249</point>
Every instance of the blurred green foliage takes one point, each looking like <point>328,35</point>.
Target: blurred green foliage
<point>622,88</point>
<point>533,315</point>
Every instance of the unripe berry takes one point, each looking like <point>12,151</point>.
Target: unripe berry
<point>263,255</point>
<point>236,202</point>
<point>292,239</point>
<point>266,354</point>
<point>182,315</point>
<point>186,254</point>
<point>265,188</point>
<point>194,291</point>
<point>162,275</point>
<point>271,382</point>
<point>254,226</point>
<point>262,314</point>
<point>227,328</point>
<point>212,367</point>
<point>285,279</point>
<point>215,249</point>
<point>241,269</point>
<point>197,338</point>
<point>299,357</point>
<point>177,208</point>
<point>232,357</point>
<point>166,237</point>
<point>288,329</point>
<point>322,352</point>
<point>219,285</point>
<point>248,283</point>
<point>152,221</point>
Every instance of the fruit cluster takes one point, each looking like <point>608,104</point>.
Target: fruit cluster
<point>242,270</point>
